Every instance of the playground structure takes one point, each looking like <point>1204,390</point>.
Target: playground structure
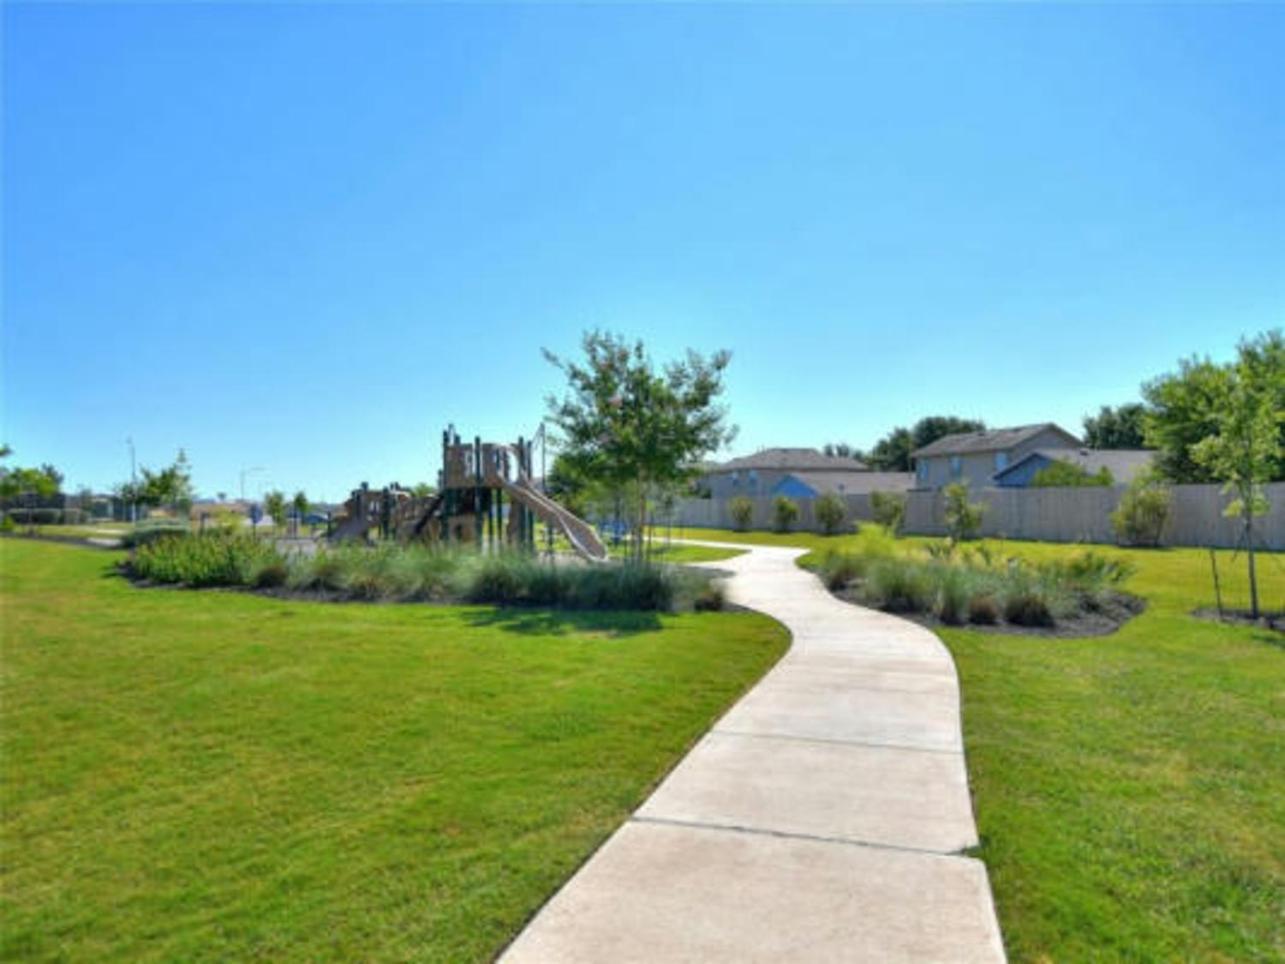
<point>479,482</point>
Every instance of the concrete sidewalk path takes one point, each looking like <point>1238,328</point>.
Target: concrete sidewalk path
<point>821,819</point>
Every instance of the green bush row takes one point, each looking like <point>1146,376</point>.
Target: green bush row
<point>419,573</point>
<point>974,586</point>
<point>45,517</point>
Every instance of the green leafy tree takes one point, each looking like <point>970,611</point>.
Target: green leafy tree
<point>892,452</point>
<point>741,509</point>
<point>889,510</point>
<point>1121,427</point>
<point>299,503</point>
<point>785,512</point>
<point>422,490</point>
<point>170,486</point>
<point>831,512</point>
<point>1139,519</point>
<point>626,426</point>
<point>1245,449</point>
<point>841,450</point>
<point>930,429</point>
<point>963,518</point>
<point>274,504</point>
<point>1060,474</point>
<point>43,482</point>
<point>1184,410</point>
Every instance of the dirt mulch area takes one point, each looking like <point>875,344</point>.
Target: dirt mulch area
<point>1118,610</point>
<point>1238,617</point>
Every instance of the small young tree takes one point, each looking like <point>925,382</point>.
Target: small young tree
<point>274,504</point>
<point>889,510</point>
<point>785,512</point>
<point>963,518</point>
<point>1139,519</point>
<point>1244,450</point>
<point>300,506</point>
<point>627,427</point>
<point>170,486</point>
<point>741,510</point>
<point>830,511</point>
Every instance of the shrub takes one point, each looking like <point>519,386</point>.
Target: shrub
<point>712,598</point>
<point>211,559</point>
<point>1059,474</point>
<point>1027,607</point>
<point>954,592</point>
<point>838,569</point>
<point>1139,519</point>
<point>36,517</point>
<point>742,512</point>
<point>270,574</point>
<point>963,518</point>
<point>983,610</point>
<point>831,511</point>
<point>785,512</point>
<point>7,524</point>
<point>889,510</point>
<point>899,586</point>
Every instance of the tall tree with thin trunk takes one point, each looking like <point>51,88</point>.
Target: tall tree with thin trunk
<point>1245,446</point>
<point>630,427</point>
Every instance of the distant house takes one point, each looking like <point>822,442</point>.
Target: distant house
<point>1123,464</point>
<point>809,485</point>
<point>976,457</point>
<point>760,473</point>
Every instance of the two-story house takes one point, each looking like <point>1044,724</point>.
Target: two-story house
<point>976,457</point>
<point>762,472</point>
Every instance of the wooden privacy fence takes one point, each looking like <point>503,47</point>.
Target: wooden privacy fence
<point>1051,515</point>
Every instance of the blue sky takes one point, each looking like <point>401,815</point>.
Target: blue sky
<point>307,237</point>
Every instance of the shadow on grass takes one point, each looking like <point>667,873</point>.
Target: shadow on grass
<point>559,622</point>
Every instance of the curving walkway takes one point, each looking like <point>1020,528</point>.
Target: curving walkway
<point>821,819</point>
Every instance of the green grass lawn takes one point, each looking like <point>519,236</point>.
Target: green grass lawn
<point>216,775</point>
<point>1130,789</point>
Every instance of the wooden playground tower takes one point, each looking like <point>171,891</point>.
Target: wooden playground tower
<point>475,477</point>
<point>479,481</point>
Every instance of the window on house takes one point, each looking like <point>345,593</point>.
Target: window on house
<point>956,466</point>
<point>754,480</point>
<point>736,479</point>
<point>1001,461</point>
<point>921,471</point>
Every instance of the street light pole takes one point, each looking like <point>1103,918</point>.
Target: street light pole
<point>133,482</point>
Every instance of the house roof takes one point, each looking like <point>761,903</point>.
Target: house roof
<point>790,460</point>
<point>851,482</point>
<point>991,440</point>
<point>1123,464</point>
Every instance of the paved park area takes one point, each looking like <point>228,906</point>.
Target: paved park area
<point>823,818</point>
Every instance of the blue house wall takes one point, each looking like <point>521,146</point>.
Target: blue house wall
<point>793,488</point>
<point>1021,475</point>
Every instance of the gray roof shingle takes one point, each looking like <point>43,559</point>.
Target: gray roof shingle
<point>991,440</point>
<point>790,460</point>
<point>855,483</point>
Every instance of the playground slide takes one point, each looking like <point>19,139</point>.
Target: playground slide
<point>580,534</point>
<point>352,528</point>
<point>427,516</point>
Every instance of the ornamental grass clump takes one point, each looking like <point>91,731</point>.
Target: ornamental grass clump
<point>900,586</point>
